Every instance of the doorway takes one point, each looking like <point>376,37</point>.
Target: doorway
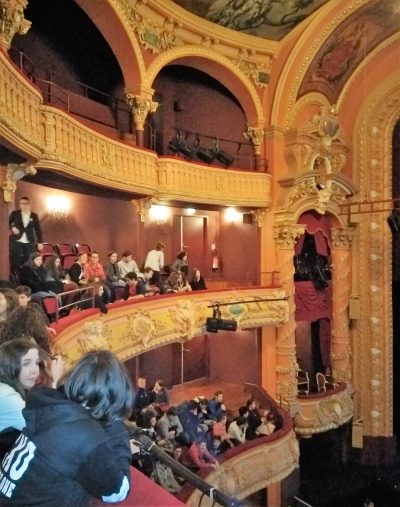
<point>190,234</point>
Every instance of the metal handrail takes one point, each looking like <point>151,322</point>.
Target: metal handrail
<point>89,288</point>
<point>50,94</point>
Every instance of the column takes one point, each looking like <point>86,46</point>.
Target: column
<point>341,291</point>
<point>12,21</point>
<point>256,135</point>
<point>141,106</point>
<point>6,206</point>
<point>285,236</point>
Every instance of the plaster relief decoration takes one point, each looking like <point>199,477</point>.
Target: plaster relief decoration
<point>12,20</point>
<point>256,71</point>
<point>15,172</point>
<point>141,329</point>
<point>184,318</point>
<point>96,336</point>
<point>152,36</point>
<point>143,207</point>
<point>358,35</point>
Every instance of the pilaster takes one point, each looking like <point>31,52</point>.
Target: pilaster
<point>12,21</point>
<point>141,106</point>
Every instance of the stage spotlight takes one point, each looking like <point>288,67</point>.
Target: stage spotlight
<point>178,145</point>
<point>215,323</point>
<point>221,155</point>
<point>204,154</point>
<point>394,221</point>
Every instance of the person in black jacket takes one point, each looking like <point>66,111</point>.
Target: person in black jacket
<point>75,445</point>
<point>25,234</point>
<point>35,275</point>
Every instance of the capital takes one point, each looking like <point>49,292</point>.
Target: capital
<point>15,172</point>
<point>285,235</point>
<point>143,207</point>
<point>259,216</point>
<point>342,238</point>
<point>12,20</point>
<point>255,136</point>
<point>141,106</point>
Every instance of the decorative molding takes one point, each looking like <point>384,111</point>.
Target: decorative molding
<point>12,20</point>
<point>254,469</point>
<point>342,238</point>
<point>141,107</point>
<point>143,207</point>
<point>286,234</point>
<point>323,413</point>
<point>255,136</point>
<point>14,173</point>
<point>259,216</point>
<point>258,72</point>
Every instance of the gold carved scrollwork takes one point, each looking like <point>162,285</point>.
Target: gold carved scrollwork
<point>141,107</point>
<point>143,207</point>
<point>285,235</point>
<point>12,20</point>
<point>184,317</point>
<point>14,173</point>
<point>255,136</point>
<point>255,71</point>
<point>141,329</point>
<point>342,238</point>
<point>259,215</point>
<point>96,336</point>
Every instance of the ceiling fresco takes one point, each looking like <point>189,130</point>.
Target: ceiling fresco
<point>349,44</point>
<point>270,19</point>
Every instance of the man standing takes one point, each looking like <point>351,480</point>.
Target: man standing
<point>26,235</point>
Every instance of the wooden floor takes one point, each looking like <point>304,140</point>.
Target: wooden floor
<point>234,395</point>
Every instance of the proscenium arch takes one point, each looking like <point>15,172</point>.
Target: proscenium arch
<point>122,41</point>
<point>220,68</point>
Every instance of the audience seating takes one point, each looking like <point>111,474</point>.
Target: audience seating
<point>303,382</point>
<point>82,248</point>
<point>321,382</point>
<point>65,249</point>
<point>67,261</point>
<point>47,249</point>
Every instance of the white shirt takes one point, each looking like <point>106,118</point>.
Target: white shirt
<point>155,260</point>
<point>11,405</point>
<point>25,220</point>
<point>127,267</point>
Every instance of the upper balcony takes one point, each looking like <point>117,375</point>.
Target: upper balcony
<point>52,139</point>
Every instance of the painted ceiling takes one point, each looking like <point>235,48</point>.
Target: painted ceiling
<point>269,19</point>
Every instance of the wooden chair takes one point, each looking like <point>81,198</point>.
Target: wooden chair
<point>321,382</point>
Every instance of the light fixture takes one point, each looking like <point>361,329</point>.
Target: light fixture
<point>222,155</point>
<point>206,155</point>
<point>159,214</point>
<point>215,323</point>
<point>190,211</point>
<point>232,215</point>
<point>178,145</point>
<point>58,206</point>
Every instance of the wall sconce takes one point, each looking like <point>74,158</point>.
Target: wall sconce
<point>159,214</point>
<point>232,215</point>
<point>190,211</point>
<point>58,206</point>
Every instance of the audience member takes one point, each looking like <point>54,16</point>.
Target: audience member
<point>36,276</point>
<point>159,393</point>
<point>219,430</point>
<point>163,475</point>
<point>25,234</point>
<point>216,446</point>
<point>155,261</point>
<point>89,406</point>
<point>127,264</point>
<point>142,397</point>
<point>76,271</point>
<point>8,302</point>
<point>200,456</point>
<point>93,270</point>
<point>175,283</point>
<point>216,406</point>
<point>169,425</point>
<point>253,419</point>
<point>197,282</point>
<point>143,283</point>
<point>237,430</point>
<point>113,276</point>
<point>180,264</point>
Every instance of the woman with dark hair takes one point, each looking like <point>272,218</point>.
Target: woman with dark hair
<point>47,468</point>
<point>35,276</point>
<point>58,275</point>
<point>181,263</point>
<point>19,370</point>
<point>197,282</point>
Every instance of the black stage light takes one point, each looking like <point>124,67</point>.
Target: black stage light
<point>227,325</point>
<point>394,221</point>
<point>204,154</point>
<point>215,323</point>
<point>222,155</point>
<point>178,145</point>
<point>212,325</point>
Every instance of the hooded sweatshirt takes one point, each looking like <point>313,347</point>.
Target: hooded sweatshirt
<point>64,456</point>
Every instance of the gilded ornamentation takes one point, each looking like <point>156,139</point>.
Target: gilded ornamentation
<point>141,329</point>
<point>303,190</point>
<point>184,318</point>
<point>254,469</point>
<point>342,238</point>
<point>152,36</point>
<point>95,336</point>
<point>255,136</point>
<point>143,207</point>
<point>322,414</point>
<point>255,71</point>
<point>14,173</point>
<point>285,235</point>
<point>12,20</point>
<point>141,107</point>
<point>259,215</point>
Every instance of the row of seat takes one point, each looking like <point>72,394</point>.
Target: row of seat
<point>66,251</point>
<point>303,382</point>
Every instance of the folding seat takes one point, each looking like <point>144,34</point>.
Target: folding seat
<point>82,248</point>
